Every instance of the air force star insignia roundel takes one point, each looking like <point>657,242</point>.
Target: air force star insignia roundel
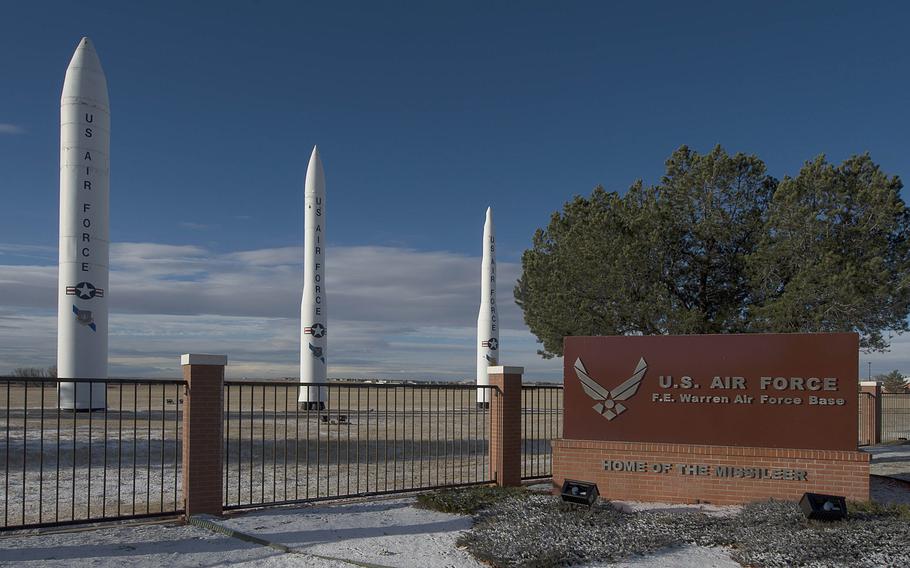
<point>85,291</point>
<point>608,404</point>
<point>317,330</point>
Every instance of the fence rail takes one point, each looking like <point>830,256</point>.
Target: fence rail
<point>370,439</point>
<point>541,422</point>
<point>62,467</point>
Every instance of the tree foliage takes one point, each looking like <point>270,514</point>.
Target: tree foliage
<point>720,246</point>
<point>894,382</point>
<point>35,372</point>
<point>835,253</point>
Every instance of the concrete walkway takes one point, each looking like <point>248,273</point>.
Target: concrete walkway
<point>137,546</point>
<point>377,534</point>
<point>892,460</point>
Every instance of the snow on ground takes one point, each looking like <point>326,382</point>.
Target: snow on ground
<point>138,546</point>
<point>685,557</point>
<point>381,532</point>
<point>76,471</point>
<point>710,510</point>
<point>388,532</point>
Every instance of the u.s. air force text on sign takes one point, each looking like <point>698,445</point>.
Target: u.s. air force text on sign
<point>759,390</point>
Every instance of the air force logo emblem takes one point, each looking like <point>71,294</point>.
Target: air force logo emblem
<point>608,404</point>
<point>317,352</point>
<point>84,317</point>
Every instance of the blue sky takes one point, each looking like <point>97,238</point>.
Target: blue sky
<point>425,113</point>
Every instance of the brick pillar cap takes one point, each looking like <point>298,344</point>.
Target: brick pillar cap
<point>500,370</point>
<point>868,383</point>
<point>201,359</point>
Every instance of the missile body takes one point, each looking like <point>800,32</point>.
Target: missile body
<point>313,306</point>
<point>82,295</point>
<point>488,318</point>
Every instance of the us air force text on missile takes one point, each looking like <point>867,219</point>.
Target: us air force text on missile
<point>800,391</point>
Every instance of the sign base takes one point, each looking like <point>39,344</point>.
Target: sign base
<point>722,475</point>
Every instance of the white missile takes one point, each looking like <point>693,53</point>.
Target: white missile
<point>82,296</point>
<point>313,306</point>
<point>487,319</point>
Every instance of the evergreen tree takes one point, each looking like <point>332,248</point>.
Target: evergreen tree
<point>719,246</point>
<point>894,382</point>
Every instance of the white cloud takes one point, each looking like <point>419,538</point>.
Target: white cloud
<point>6,128</point>
<point>40,253</point>
<point>393,312</point>
<point>194,226</point>
<point>897,357</point>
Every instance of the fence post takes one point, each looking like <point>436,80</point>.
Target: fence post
<point>875,421</point>
<point>203,422</point>
<point>505,425</point>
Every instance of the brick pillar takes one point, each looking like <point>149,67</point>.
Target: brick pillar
<point>203,408</point>
<point>505,425</point>
<point>875,420</point>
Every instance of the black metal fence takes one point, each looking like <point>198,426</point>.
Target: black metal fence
<point>125,461</point>
<point>61,467</point>
<point>370,439</point>
<point>895,417</point>
<point>541,422</point>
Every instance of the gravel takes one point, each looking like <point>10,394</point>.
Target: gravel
<point>539,530</point>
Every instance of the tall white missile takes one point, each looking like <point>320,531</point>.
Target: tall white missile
<point>82,295</point>
<point>487,319</point>
<point>313,306</point>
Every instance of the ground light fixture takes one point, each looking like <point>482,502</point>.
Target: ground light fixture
<point>581,492</point>
<point>823,507</point>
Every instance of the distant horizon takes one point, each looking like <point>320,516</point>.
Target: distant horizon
<point>295,380</point>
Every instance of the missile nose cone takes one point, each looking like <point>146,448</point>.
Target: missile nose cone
<point>315,176</point>
<point>85,57</point>
<point>488,222</point>
<point>315,160</point>
<point>85,77</point>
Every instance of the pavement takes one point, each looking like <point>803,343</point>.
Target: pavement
<point>892,460</point>
<point>136,545</point>
<point>379,533</point>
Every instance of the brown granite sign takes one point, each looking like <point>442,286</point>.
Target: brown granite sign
<point>756,390</point>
